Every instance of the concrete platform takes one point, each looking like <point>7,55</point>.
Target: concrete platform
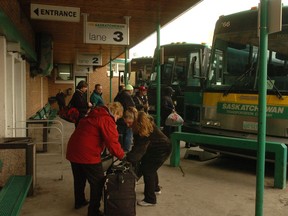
<point>221,186</point>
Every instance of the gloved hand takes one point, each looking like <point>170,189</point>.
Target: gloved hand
<point>124,161</point>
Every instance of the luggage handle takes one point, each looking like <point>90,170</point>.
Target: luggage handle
<point>128,168</point>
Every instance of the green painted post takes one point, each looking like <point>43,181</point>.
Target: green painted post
<point>126,67</point>
<point>280,167</point>
<point>111,76</point>
<point>158,100</point>
<point>262,108</point>
<point>175,154</point>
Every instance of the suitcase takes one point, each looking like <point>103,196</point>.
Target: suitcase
<point>119,191</point>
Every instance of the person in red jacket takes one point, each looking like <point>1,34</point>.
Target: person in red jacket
<point>94,133</point>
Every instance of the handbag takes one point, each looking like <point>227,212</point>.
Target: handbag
<point>174,119</point>
<point>69,113</point>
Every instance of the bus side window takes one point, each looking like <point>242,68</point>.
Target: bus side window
<point>179,75</point>
<point>166,71</point>
<point>194,70</point>
<point>193,66</point>
<point>215,75</point>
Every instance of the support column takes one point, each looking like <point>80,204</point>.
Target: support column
<point>158,98</point>
<point>2,84</point>
<point>262,108</point>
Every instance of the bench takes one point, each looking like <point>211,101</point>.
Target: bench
<point>44,118</point>
<point>279,149</point>
<point>13,194</point>
<point>45,113</point>
<point>49,112</point>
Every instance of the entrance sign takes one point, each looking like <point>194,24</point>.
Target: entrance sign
<point>89,59</point>
<point>106,33</point>
<point>56,13</point>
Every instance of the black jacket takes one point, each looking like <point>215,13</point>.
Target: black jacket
<point>167,106</point>
<point>79,101</point>
<point>154,149</point>
<point>125,99</point>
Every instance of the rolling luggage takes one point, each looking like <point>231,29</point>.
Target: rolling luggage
<point>119,191</point>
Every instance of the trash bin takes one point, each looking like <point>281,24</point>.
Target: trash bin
<point>18,158</point>
<point>38,131</point>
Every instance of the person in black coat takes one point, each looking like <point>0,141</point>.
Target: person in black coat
<point>79,100</point>
<point>167,107</point>
<point>60,97</point>
<point>125,97</point>
<point>151,148</point>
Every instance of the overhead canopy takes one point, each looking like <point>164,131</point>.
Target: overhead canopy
<point>12,34</point>
<point>68,36</point>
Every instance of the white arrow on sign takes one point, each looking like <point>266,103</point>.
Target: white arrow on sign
<point>56,13</point>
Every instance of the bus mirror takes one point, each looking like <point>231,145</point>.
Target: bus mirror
<point>153,76</point>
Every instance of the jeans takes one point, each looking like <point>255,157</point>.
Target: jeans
<point>128,139</point>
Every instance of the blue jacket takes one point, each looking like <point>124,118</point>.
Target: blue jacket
<point>96,99</point>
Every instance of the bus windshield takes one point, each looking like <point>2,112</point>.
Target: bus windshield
<point>182,65</point>
<point>173,71</point>
<point>234,64</point>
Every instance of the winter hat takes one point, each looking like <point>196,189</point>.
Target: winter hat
<point>142,88</point>
<point>129,87</point>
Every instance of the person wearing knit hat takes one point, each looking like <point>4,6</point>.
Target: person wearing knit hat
<point>129,87</point>
<point>141,100</point>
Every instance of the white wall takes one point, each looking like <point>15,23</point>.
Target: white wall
<point>12,92</point>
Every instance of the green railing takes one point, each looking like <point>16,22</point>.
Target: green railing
<point>279,149</point>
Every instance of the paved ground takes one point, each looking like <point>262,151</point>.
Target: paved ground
<point>219,187</point>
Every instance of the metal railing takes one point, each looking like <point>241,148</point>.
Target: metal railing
<point>47,125</point>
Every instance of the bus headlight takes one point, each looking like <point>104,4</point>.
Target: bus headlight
<point>212,123</point>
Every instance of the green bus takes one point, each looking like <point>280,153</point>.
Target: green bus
<point>140,70</point>
<point>229,104</point>
<point>182,66</point>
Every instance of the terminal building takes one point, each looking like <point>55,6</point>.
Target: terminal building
<point>47,47</point>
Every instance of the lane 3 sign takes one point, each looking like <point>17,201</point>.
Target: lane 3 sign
<point>106,33</point>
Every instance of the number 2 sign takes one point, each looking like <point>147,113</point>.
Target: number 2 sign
<point>89,59</point>
<point>106,33</point>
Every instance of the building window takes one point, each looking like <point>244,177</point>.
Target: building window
<point>63,73</point>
